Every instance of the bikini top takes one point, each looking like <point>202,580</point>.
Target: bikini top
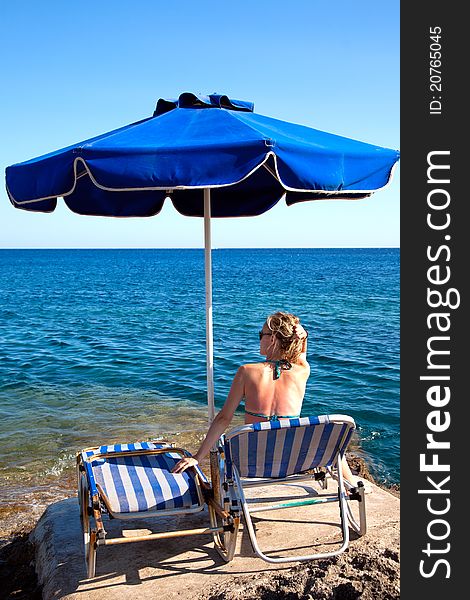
<point>271,417</point>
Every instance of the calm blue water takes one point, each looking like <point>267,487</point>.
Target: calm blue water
<point>101,345</point>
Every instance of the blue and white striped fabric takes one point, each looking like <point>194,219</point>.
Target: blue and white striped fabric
<point>140,482</point>
<point>281,448</point>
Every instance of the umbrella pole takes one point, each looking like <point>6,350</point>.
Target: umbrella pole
<point>208,278</point>
<point>214,454</point>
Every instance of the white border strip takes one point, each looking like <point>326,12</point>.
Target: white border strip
<point>330,193</point>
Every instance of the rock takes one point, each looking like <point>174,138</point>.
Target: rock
<point>367,570</point>
<point>17,570</point>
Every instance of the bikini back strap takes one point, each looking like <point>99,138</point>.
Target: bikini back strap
<point>271,417</point>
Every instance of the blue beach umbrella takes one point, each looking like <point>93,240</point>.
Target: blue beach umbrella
<point>212,157</point>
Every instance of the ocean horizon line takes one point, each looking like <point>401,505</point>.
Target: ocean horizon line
<point>214,248</point>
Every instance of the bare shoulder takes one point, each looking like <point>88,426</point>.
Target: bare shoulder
<point>304,365</point>
<point>249,370</point>
<point>244,370</point>
<point>250,367</point>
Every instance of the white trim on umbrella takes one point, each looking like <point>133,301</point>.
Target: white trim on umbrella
<point>330,193</point>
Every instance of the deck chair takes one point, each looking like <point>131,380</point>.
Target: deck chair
<point>132,481</point>
<point>286,451</point>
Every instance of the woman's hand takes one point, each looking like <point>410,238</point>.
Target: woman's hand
<point>300,332</point>
<point>184,463</point>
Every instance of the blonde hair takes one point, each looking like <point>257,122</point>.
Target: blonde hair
<point>283,327</point>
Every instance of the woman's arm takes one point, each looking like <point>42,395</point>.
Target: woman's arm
<point>302,334</point>
<point>219,424</point>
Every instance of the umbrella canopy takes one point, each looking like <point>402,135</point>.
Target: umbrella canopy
<point>248,160</point>
<point>213,156</point>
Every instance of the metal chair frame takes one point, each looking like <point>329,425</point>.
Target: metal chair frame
<point>94,503</point>
<point>236,502</point>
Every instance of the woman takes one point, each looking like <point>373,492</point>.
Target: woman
<point>272,389</point>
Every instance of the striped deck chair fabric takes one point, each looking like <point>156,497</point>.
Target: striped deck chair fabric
<point>139,482</point>
<point>277,449</point>
<point>283,451</point>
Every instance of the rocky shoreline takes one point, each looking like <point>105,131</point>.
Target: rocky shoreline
<point>369,569</point>
<point>18,579</point>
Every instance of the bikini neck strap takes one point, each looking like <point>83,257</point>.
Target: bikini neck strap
<point>279,366</point>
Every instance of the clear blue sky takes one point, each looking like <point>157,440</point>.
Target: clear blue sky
<point>72,70</point>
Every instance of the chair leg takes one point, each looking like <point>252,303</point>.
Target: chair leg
<point>343,507</point>
<point>84,502</point>
<point>91,558</point>
<point>353,493</point>
<point>362,511</point>
<point>359,496</point>
<point>254,542</point>
<point>224,542</point>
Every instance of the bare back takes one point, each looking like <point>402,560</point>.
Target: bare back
<point>269,396</point>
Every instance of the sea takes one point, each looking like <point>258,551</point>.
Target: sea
<point>103,346</point>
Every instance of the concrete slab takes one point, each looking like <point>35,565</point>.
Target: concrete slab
<point>183,567</point>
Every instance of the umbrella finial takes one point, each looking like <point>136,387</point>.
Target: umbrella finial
<point>190,100</point>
